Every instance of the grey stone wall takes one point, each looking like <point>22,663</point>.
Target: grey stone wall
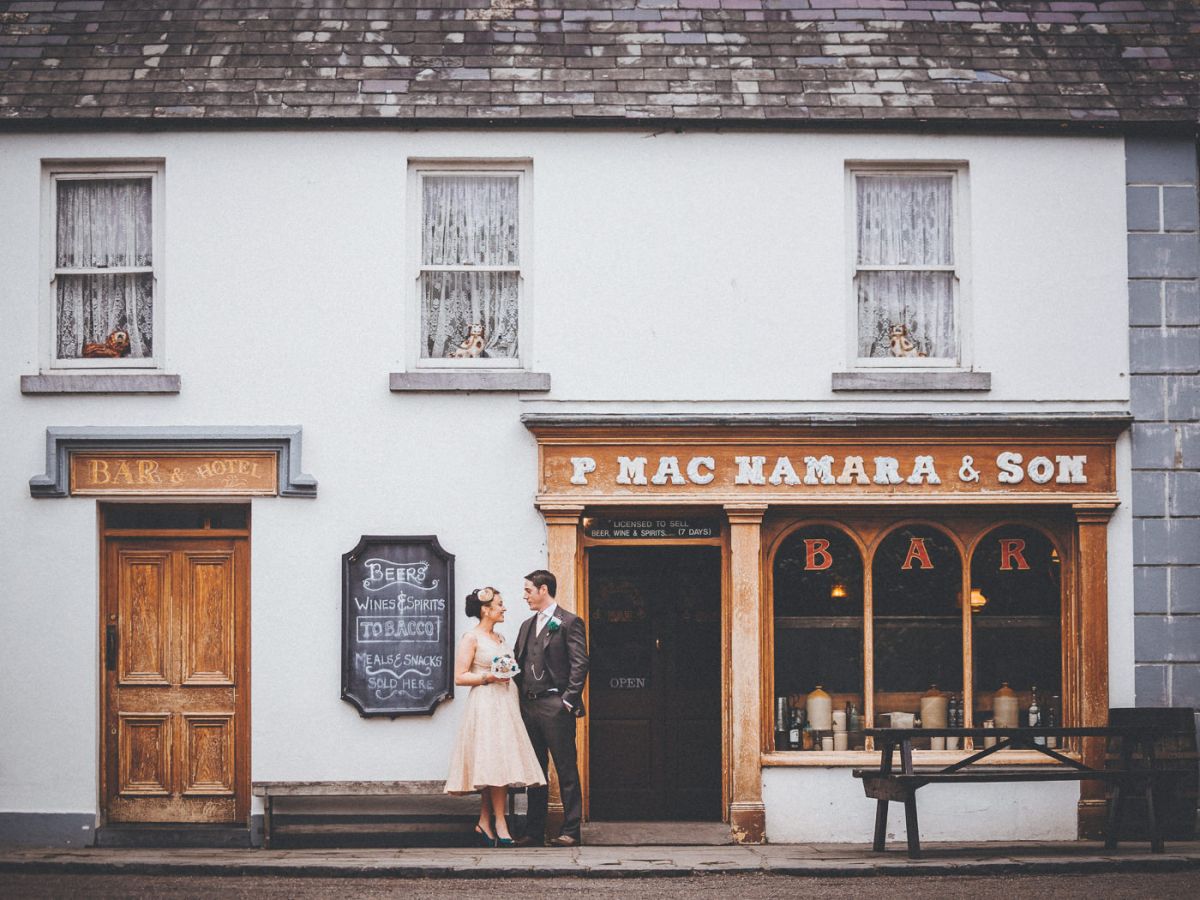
<point>1164,342</point>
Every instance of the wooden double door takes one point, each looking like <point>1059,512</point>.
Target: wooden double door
<point>175,672</point>
<point>654,619</point>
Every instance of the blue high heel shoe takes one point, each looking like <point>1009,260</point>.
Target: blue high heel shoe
<point>505,842</point>
<point>485,839</point>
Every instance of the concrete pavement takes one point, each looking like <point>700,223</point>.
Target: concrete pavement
<point>612,861</point>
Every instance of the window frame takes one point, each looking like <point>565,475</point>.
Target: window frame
<point>957,171</point>
<point>868,530</point>
<point>54,172</point>
<point>418,171</point>
<point>864,551</point>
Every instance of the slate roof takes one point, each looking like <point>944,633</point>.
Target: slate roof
<point>725,61</point>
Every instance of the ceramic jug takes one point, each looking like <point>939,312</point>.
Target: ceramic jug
<point>1005,709</point>
<point>820,709</point>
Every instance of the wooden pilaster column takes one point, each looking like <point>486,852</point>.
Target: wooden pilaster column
<point>562,558</point>
<point>1092,583</point>
<point>747,817</point>
<point>562,550</point>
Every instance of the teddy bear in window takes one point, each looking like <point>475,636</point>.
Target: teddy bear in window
<point>471,346</point>
<point>900,344</point>
<point>116,346</point>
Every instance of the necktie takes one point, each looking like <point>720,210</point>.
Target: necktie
<point>541,622</point>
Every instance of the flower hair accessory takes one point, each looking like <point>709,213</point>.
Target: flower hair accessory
<point>554,624</point>
<point>504,666</point>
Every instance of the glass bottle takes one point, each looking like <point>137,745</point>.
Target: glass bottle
<point>954,719</point>
<point>1035,715</point>
<point>782,711</point>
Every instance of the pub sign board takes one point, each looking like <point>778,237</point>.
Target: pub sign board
<point>640,528</point>
<point>397,625</point>
<point>588,464</point>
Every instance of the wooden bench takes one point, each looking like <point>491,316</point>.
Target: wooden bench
<point>884,785</point>
<point>429,810</point>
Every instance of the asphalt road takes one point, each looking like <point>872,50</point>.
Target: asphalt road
<point>1170,886</point>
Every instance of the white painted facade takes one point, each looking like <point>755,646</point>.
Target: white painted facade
<point>693,272</point>
<point>827,805</point>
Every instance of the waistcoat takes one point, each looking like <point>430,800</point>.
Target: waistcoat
<point>537,677</point>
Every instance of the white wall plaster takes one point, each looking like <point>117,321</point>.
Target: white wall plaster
<point>811,805</point>
<point>684,272</point>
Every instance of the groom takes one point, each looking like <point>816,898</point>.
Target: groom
<point>551,650</point>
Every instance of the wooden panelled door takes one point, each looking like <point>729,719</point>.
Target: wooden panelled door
<point>654,617</point>
<point>174,647</point>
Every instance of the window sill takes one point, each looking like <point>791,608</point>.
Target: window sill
<point>470,381</point>
<point>860,758</point>
<point>897,380</point>
<point>97,383</point>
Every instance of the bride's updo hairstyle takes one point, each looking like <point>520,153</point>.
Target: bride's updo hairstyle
<point>478,599</point>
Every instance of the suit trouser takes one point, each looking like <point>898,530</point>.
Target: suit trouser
<point>551,730</point>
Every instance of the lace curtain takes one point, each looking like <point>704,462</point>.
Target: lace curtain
<point>469,221</point>
<point>104,224</point>
<point>905,220</point>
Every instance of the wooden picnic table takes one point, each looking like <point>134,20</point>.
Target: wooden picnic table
<point>1136,770</point>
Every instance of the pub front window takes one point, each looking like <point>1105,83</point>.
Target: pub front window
<point>917,576</point>
<point>875,621</point>
<point>818,577</point>
<point>1016,614</point>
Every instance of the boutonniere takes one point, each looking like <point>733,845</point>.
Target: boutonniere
<point>554,624</point>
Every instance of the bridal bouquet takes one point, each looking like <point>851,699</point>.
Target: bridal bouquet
<point>504,666</point>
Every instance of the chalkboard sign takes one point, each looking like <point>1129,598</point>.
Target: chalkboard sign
<point>641,529</point>
<point>397,625</point>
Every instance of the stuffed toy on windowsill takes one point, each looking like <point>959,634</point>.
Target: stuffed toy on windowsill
<point>117,345</point>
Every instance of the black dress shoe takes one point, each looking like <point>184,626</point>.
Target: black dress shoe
<point>564,840</point>
<point>526,840</point>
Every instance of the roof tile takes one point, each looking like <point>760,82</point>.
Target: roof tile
<point>732,60</point>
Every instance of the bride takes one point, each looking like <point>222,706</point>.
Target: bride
<point>492,752</point>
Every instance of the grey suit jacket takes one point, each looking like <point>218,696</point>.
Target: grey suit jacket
<point>565,651</point>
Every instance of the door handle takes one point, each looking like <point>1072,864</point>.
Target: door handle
<point>658,643</point>
<point>110,648</point>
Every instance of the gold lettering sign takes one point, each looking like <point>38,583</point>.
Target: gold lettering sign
<point>584,467</point>
<point>174,473</point>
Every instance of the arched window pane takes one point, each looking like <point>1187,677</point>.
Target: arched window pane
<point>916,587</point>
<point>818,598</point>
<point>1016,581</point>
